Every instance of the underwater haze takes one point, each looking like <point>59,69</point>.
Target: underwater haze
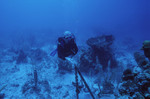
<point>74,49</point>
<point>48,19</point>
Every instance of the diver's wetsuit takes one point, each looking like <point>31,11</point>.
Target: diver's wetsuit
<point>66,47</point>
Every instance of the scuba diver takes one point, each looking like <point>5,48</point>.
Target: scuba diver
<point>66,46</point>
<point>146,48</point>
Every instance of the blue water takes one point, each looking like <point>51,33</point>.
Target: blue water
<point>29,24</point>
<point>48,19</point>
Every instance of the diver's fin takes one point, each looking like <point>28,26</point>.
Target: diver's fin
<point>53,52</point>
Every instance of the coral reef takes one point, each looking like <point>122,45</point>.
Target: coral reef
<point>136,84</point>
<point>108,87</point>
<point>128,87</point>
<point>22,57</point>
<point>37,54</point>
<point>140,59</point>
<point>86,61</point>
<point>146,48</point>
<point>64,66</point>
<point>96,61</point>
<point>29,88</point>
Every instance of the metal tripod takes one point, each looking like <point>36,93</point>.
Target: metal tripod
<point>77,88</point>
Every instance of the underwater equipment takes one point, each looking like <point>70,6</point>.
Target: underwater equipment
<point>3,88</point>
<point>77,85</point>
<point>77,89</point>
<point>74,63</point>
<point>53,52</point>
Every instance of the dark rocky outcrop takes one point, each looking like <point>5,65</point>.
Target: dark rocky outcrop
<point>100,52</point>
<point>128,86</point>
<point>137,84</point>
<point>108,87</point>
<point>127,75</point>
